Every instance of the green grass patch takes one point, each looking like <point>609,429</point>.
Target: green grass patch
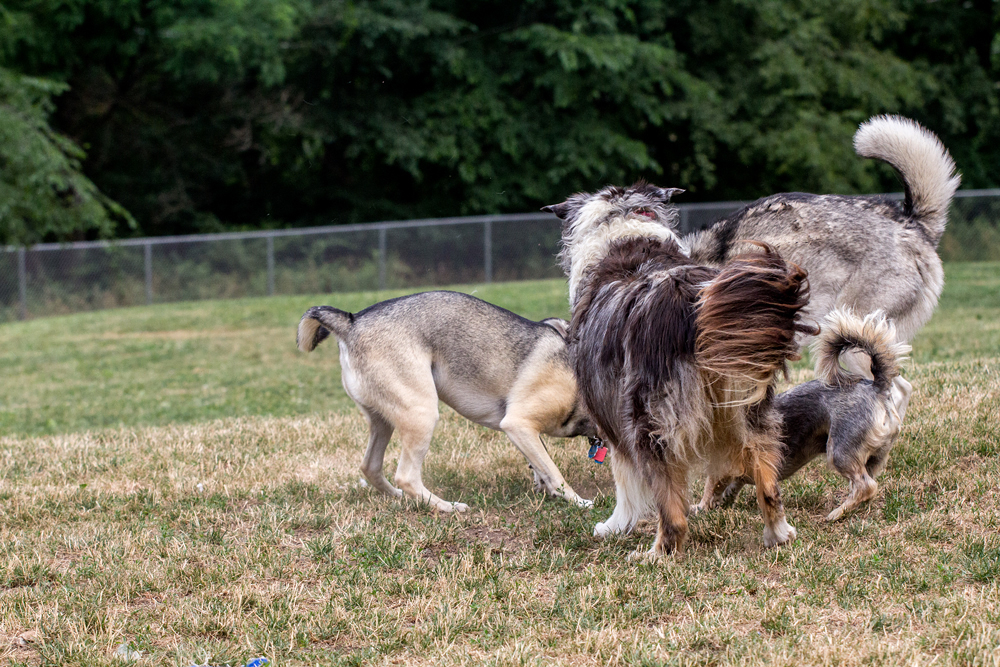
<point>192,361</point>
<point>214,359</point>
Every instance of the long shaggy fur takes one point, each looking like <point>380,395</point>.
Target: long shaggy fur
<point>651,336</point>
<point>747,321</point>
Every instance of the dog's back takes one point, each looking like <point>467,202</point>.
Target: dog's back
<point>476,352</point>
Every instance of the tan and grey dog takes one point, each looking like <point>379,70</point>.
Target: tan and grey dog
<point>852,420</point>
<point>496,368</point>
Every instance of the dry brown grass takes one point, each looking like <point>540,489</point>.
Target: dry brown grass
<point>230,539</point>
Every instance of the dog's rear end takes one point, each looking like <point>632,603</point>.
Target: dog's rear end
<point>676,364</point>
<point>865,419</point>
<point>748,322</point>
<point>854,421</point>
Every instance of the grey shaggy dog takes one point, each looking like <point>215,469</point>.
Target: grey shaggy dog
<point>676,362</point>
<point>864,252</point>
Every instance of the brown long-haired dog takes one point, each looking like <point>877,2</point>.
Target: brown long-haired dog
<point>676,362</point>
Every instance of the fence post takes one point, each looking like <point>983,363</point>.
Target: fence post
<point>488,250</point>
<point>22,282</point>
<point>148,257</point>
<point>270,266</point>
<point>382,243</point>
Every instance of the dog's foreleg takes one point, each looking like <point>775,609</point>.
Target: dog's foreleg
<point>379,433</point>
<point>633,498</point>
<point>415,436</point>
<point>528,441</point>
<point>733,490</point>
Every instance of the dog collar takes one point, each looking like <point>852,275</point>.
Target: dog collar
<point>597,449</point>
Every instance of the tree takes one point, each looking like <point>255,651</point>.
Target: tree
<point>43,194</point>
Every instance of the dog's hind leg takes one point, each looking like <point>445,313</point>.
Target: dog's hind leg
<point>849,459</point>
<point>633,498</point>
<point>526,438</point>
<point>765,455</point>
<point>380,431</point>
<point>669,494</point>
<point>415,433</point>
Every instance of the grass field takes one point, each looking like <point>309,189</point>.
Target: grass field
<point>179,480</point>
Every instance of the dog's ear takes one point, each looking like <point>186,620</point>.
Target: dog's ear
<point>559,210</point>
<point>559,324</point>
<point>666,193</point>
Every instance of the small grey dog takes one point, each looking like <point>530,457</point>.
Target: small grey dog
<point>852,420</point>
<point>494,367</point>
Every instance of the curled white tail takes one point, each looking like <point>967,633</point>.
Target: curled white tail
<point>923,162</point>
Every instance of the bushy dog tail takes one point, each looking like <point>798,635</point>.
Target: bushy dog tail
<point>921,160</point>
<point>318,323</point>
<point>747,321</point>
<point>874,335</point>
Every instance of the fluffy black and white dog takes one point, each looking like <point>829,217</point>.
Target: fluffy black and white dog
<point>676,362</point>
<point>850,419</point>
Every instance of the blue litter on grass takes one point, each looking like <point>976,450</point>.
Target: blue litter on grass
<point>256,662</point>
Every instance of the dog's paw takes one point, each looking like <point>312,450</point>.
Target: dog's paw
<point>601,530</point>
<point>782,534</point>
<point>647,556</point>
<point>835,514</point>
<point>584,503</point>
<point>695,510</point>
<point>459,507</point>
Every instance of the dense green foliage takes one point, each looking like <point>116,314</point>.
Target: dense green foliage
<point>202,115</point>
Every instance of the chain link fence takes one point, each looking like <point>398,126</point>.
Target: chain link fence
<point>49,279</point>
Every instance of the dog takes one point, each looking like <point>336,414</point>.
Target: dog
<point>853,420</point>
<point>864,252</point>
<point>494,367</point>
<point>676,362</point>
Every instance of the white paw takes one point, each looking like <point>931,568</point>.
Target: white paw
<point>697,509</point>
<point>584,503</point>
<point>601,530</point>
<point>459,507</point>
<point>781,534</point>
<point>641,556</point>
<point>835,514</point>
